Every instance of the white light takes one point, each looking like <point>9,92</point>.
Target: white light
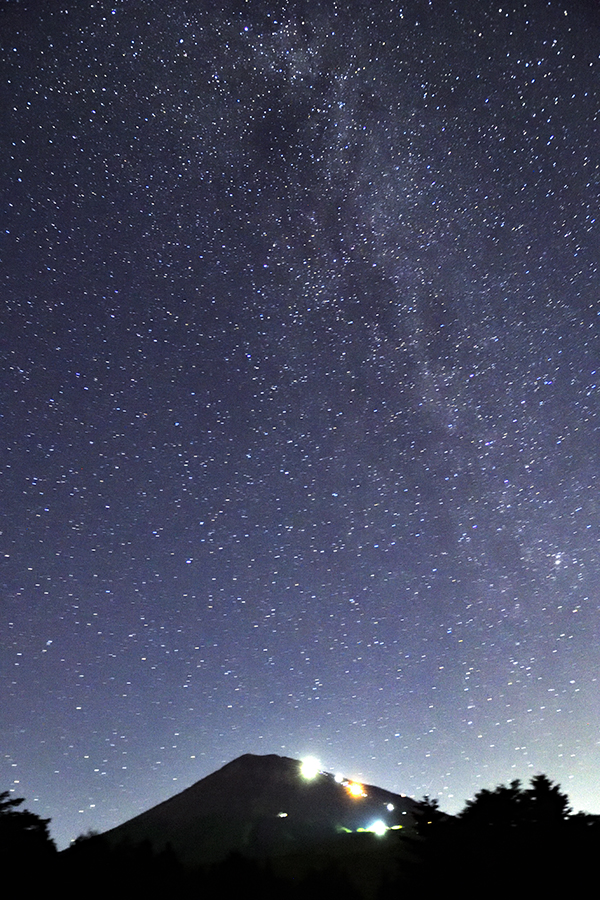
<point>378,827</point>
<point>390,807</point>
<point>339,779</point>
<point>310,767</point>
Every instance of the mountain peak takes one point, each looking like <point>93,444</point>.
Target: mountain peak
<point>263,806</point>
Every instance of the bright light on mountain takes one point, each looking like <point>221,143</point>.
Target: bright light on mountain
<point>378,827</point>
<point>310,767</point>
<point>355,789</point>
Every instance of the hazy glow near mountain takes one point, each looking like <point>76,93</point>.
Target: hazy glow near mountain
<point>355,789</point>
<point>310,767</point>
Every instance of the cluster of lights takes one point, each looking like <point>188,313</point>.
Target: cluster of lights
<point>379,828</point>
<point>354,788</point>
<point>311,767</point>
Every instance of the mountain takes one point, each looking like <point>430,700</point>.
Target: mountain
<point>264,806</point>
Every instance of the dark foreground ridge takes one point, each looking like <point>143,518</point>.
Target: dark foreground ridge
<point>263,806</point>
<point>264,826</point>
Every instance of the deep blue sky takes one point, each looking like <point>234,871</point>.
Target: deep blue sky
<point>300,435</point>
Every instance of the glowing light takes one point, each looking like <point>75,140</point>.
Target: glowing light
<point>282,815</point>
<point>310,767</point>
<point>339,779</point>
<point>390,807</point>
<point>378,827</point>
<point>355,789</point>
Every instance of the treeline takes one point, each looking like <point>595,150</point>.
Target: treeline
<point>510,841</point>
<point>514,840</point>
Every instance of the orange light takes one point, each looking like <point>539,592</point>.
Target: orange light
<point>355,789</point>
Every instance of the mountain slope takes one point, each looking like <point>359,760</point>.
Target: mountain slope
<point>262,806</point>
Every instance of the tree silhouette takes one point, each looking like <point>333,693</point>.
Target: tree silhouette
<point>546,805</point>
<point>504,806</point>
<point>541,805</point>
<point>512,839</point>
<point>21,830</point>
<point>428,815</point>
<point>27,852</point>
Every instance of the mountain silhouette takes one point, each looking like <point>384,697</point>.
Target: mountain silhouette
<point>263,806</point>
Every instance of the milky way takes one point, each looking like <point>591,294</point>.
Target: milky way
<point>300,433</point>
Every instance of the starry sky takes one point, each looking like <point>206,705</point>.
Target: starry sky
<point>299,412</point>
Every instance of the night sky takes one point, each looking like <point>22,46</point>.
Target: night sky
<point>300,417</point>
